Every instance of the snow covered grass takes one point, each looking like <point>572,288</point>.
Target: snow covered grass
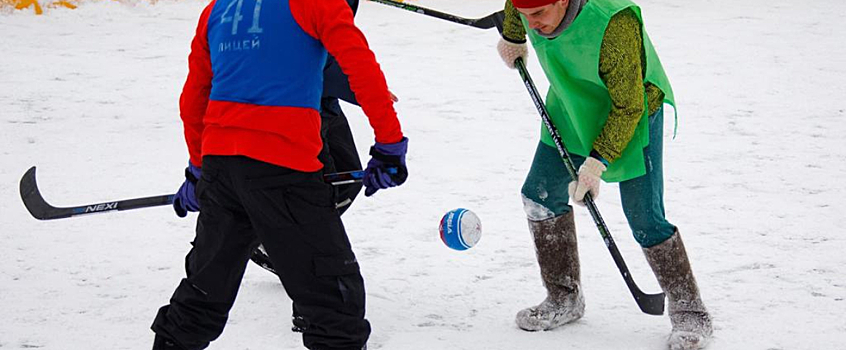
<point>753,180</point>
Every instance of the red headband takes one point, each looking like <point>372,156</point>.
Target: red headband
<point>531,3</point>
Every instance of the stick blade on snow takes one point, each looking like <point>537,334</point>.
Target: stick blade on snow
<point>35,203</point>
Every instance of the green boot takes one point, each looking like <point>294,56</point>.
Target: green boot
<point>558,257</point>
<point>691,322</point>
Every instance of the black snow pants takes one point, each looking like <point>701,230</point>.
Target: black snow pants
<point>245,202</point>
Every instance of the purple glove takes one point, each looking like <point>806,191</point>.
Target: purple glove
<point>384,156</point>
<point>185,199</point>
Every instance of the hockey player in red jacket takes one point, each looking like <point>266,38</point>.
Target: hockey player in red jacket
<point>250,111</point>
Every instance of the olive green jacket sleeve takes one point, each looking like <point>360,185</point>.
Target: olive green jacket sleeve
<point>621,68</point>
<point>512,26</point>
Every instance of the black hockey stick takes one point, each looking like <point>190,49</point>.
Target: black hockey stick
<point>486,22</point>
<point>41,210</point>
<point>652,304</point>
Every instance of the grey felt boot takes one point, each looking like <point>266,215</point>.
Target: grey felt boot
<point>558,257</point>
<point>691,322</point>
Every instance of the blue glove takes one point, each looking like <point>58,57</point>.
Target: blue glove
<point>185,199</point>
<point>385,156</point>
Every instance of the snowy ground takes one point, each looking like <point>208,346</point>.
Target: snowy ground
<point>753,181</point>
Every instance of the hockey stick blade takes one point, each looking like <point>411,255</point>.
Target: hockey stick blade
<point>32,199</point>
<point>41,210</point>
<point>487,22</point>
<point>650,304</point>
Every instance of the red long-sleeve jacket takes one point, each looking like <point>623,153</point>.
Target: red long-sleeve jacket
<point>284,135</point>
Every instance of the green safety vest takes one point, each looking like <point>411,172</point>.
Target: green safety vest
<point>578,100</point>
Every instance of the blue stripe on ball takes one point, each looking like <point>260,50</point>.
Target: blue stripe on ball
<point>452,233</point>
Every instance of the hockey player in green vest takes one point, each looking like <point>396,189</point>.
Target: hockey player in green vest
<point>606,97</point>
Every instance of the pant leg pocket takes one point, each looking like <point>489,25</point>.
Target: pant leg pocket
<point>291,199</point>
<point>350,285</point>
<point>311,201</point>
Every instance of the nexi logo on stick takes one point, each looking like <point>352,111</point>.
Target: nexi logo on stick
<point>101,207</point>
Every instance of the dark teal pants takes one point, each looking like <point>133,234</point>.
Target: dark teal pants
<point>545,189</point>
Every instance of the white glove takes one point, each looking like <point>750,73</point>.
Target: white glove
<point>510,52</point>
<point>589,179</point>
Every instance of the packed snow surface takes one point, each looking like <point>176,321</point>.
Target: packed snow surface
<point>754,180</point>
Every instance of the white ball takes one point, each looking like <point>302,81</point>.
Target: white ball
<point>460,229</point>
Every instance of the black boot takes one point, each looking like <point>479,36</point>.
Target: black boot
<point>162,343</point>
<point>300,324</point>
<point>691,322</point>
<point>558,257</point>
